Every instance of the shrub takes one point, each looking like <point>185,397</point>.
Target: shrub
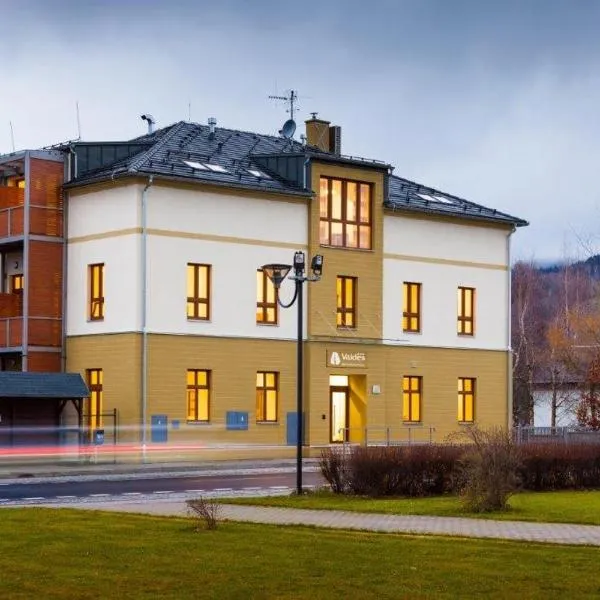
<point>559,466</point>
<point>485,472</point>
<point>391,471</point>
<point>488,471</point>
<point>333,468</point>
<point>206,511</point>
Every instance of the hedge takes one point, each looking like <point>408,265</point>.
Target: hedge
<point>430,470</point>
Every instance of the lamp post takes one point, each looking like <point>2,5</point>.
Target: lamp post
<point>277,273</point>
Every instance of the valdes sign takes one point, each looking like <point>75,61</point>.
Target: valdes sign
<point>338,358</point>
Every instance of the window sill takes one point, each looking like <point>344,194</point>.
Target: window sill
<point>329,247</point>
<point>419,423</point>
<point>342,328</point>
<point>413,332</point>
<point>198,423</point>
<point>198,320</point>
<point>95,320</point>
<point>466,423</point>
<point>466,335</point>
<point>262,324</point>
<point>272,423</point>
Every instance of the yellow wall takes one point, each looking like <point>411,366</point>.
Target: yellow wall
<point>119,356</point>
<point>367,265</point>
<point>234,363</point>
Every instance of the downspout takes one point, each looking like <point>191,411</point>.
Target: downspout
<point>26,227</point>
<point>509,359</point>
<point>67,177</point>
<point>144,317</point>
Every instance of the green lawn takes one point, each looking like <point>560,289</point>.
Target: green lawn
<point>552,507</point>
<point>62,553</point>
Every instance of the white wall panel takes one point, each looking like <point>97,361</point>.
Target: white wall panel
<point>439,304</point>
<point>120,256</point>
<point>440,239</point>
<point>227,215</point>
<point>104,210</point>
<point>233,284</point>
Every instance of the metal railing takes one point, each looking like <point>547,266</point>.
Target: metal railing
<point>405,435</point>
<point>569,435</point>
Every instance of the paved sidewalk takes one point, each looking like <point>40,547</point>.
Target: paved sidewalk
<point>453,526</point>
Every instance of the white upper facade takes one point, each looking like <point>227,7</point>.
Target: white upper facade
<point>443,256</point>
<point>236,234</point>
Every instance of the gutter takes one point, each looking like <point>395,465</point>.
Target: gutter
<point>509,356</point>
<point>144,314</point>
<point>188,180</point>
<point>69,164</point>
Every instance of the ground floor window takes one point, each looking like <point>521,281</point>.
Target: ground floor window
<point>411,399</point>
<point>466,399</point>
<point>267,392</point>
<point>95,386</point>
<point>198,395</point>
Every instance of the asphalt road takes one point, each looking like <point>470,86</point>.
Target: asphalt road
<point>96,489</point>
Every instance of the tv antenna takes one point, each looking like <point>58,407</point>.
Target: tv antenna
<point>291,98</point>
<point>12,135</point>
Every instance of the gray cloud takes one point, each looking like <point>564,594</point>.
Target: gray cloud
<point>494,101</point>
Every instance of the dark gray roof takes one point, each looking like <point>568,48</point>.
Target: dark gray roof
<point>230,149</point>
<point>164,153</point>
<point>14,384</point>
<point>409,196</point>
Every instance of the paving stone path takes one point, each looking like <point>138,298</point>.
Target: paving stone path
<point>454,526</point>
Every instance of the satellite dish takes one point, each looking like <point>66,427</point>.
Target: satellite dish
<point>288,129</point>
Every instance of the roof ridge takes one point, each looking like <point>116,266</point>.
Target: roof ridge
<point>254,133</point>
<point>148,154</point>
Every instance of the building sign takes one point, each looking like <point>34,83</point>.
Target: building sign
<point>337,358</point>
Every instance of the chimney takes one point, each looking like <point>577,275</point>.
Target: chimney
<point>335,139</point>
<point>323,135</point>
<point>317,132</point>
<point>212,124</point>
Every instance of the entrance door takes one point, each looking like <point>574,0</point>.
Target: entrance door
<point>339,414</point>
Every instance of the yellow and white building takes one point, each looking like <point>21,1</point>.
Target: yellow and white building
<point>173,324</point>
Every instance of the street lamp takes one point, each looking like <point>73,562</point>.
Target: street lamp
<point>277,273</point>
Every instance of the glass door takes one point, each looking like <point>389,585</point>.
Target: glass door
<point>339,414</point>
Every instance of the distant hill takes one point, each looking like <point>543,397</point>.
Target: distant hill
<point>590,266</point>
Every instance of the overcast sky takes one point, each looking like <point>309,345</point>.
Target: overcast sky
<point>496,102</point>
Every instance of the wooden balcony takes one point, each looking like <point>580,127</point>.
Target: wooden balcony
<point>11,221</point>
<point>11,196</point>
<point>11,332</point>
<point>11,305</point>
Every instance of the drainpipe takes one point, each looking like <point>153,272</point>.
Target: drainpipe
<point>144,318</point>
<point>67,177</point>
<point>509,359</point>
<point>26,226</point>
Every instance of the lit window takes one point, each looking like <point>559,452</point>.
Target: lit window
<point>94,379</point>
<point>258,174</point>
<point>346,301</point>
<point>195,165</point>
<point>411,307</point>
<point>411,399</point>
<point>267,392</point>
<point>345,213</point>
<point>96,292</point>
<point>16,284</point>
<point>266,300</point>
<point>216,168</point>
<point>198,395</point>
<point>466,311</point>
<point>466,399</point>
<point>198,291</point>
